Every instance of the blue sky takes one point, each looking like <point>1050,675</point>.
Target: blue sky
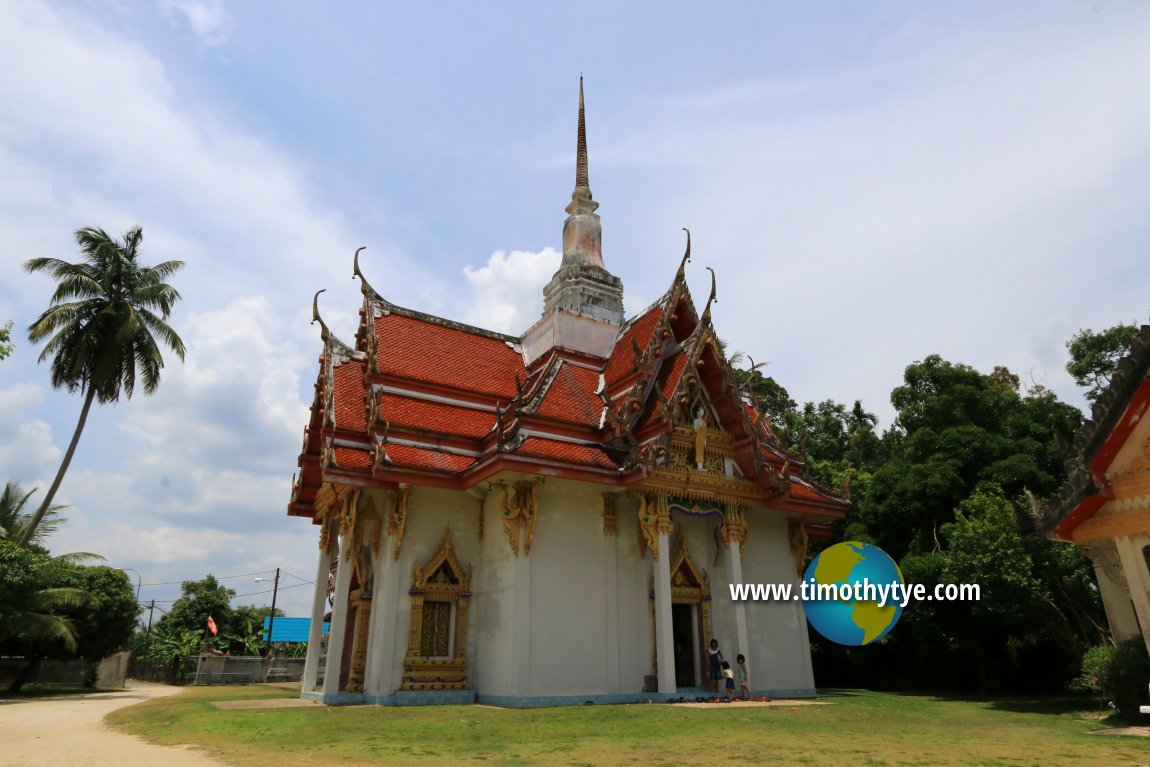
<point>872,182</point>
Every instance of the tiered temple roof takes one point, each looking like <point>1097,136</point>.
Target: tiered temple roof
<point>422,400</point>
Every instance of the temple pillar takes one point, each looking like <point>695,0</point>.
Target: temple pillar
<point>338,630</point>
<point>379,679</point>
<point>521,660</point>
<point>315,631</point>
<point>1114,588</point>
<point>735,534</point>
<point>664,628</point>
<point>1137,578</point>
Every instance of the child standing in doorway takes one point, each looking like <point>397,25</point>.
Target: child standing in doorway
<point>715,658</point>
<point>744,679</point>
<point>729,681</point>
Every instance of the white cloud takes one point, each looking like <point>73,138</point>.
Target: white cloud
<point>507,292</point>
<point>26,447</point>
<point>209,21</point>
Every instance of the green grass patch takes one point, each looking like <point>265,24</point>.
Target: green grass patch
<point>857,728</point>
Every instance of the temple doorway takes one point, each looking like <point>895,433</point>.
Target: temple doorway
<point>684,631</point>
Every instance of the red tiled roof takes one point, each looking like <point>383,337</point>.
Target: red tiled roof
<point>349,404</point>
<point>568,452</point>
<point>622,356</point>
<point>673,375</point>
<point>352,458</point>
<point>799,490</point>
<point>410,457</point>
<point>571,396</point>
<point>435,416</point>
<point>428,351</point>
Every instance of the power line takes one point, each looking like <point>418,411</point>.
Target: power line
<point>282,588</point>
<point>217,577</point>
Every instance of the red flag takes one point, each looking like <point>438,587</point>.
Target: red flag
<point>212,626</point>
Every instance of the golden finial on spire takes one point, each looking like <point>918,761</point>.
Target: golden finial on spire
<point>581,145</point>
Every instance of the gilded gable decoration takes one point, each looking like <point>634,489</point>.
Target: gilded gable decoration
<point>437,637</point>
<point>654,518</point>
<point>349,511</point>
<point>518,511</point>
<point>379,458</point>
<point>397,516</point>
<point>734,527</point>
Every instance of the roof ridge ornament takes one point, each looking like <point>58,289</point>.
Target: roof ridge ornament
<point>681,274</point>
<point>324,332</point>
<point>364,285</point>
<point>711,299</point>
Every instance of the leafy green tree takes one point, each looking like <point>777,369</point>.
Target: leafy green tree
<point>6,340</point>
<point>775,400</point>
<point>32,605</point>
<point>956,428</point>
<point>198,600</point>
<point>105,326</point>
<point>175,648</point>
<point>105,622</point>
<point>1095,356</point>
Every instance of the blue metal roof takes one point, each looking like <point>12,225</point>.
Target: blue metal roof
<point>291,629</point>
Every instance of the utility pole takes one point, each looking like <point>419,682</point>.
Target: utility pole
<point>148,635</point>
<point>272,617</point>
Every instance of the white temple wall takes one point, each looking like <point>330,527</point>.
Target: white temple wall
<point>569,642</point>
<point>575,616</point>
<point>636,630</point>
<point>779,658</point>
<point>495,590</point>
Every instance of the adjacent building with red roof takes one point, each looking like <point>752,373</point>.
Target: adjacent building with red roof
<point>552,517</point>
<point>1104,507</point>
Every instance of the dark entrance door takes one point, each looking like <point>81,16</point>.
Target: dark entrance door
<point>684,637</point>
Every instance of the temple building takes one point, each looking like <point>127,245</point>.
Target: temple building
<point>1104,506</point>
<point>553,517</point>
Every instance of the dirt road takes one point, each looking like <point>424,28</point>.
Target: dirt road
<point>70,732</point>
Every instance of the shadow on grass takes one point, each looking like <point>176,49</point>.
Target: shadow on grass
<point>1056,705</point>
<point>839,692</point>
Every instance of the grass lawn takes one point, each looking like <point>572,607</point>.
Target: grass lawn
<point>857,728</point>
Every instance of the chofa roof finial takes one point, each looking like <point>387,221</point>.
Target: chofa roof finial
<point>364,285</point>
<point>710,299</point>
<point>682,273</point>
<point>324,333</point>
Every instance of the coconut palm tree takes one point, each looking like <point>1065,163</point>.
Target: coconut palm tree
<point>14,521</point>
<point>105,325</point>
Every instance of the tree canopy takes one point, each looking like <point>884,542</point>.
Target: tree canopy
<point>1094,356</point>
<point>198,600</point>
<point>6,340</point>
<point>943,491</point>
